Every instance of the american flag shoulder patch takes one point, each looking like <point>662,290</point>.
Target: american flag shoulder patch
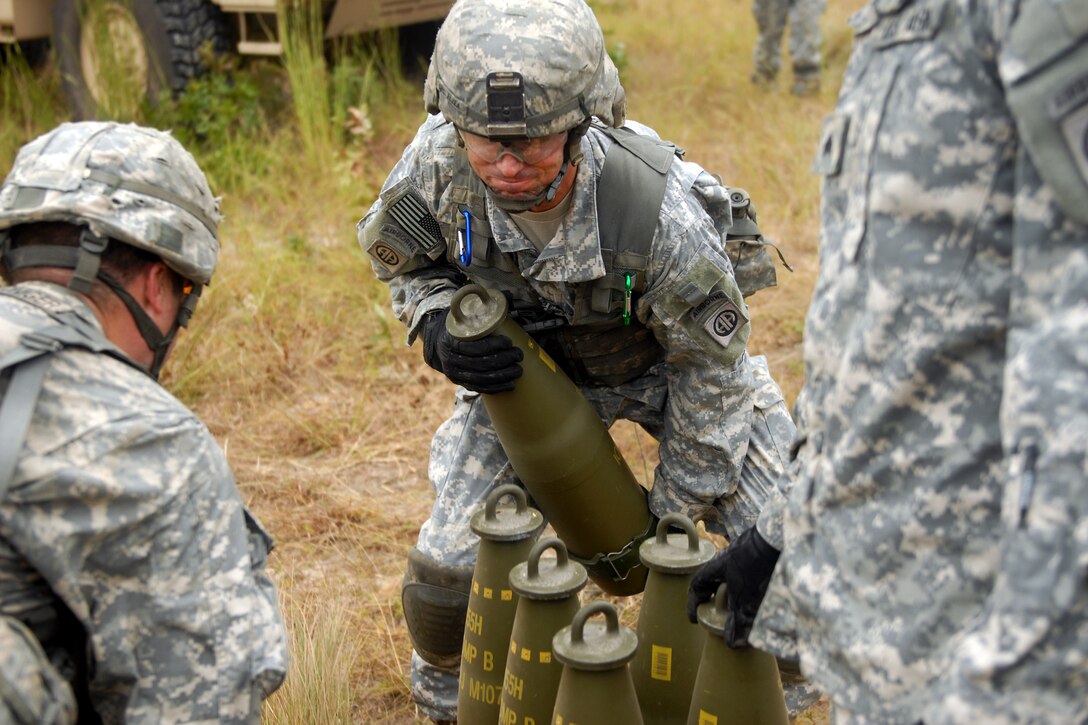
<point>405,208</point>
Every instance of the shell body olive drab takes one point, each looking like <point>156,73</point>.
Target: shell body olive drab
<point>734,686</point>
<point>562,452</point>
<point>669,646</point>
<point>547,601</point>
<point>506,536</point>
<point>596,686</point>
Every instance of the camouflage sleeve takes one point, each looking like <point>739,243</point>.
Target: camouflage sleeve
<point>1021,658</point>
<point>407,255</point>
<point>770,522</point>
<point>776,628</point>
<point>1026,659</point>
<point>695,309</point>
<point>772,518</point>
<point>130,512</point>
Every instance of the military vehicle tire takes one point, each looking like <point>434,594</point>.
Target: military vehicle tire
<point>33,52</point>
<point>153,46</point>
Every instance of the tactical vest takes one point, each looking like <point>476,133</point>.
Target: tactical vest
<point>601,344</point>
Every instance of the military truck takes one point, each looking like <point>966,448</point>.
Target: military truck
<point>157,42</point>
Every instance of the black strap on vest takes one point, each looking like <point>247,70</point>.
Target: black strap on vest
<point>17,407</point>
<point>631,190</point>
<point>629,196</point>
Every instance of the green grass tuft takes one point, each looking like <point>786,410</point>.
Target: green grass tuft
<point>29,103</point>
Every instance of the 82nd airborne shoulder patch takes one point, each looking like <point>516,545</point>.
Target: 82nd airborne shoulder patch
<point>720,317</point>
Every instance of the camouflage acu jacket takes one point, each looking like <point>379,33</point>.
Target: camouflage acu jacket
<point>123,508</point>
<point>936,535</point>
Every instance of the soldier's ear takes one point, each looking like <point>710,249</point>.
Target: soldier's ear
<point>157,291</point>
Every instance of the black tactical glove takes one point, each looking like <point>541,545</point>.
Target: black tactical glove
<point>487,365</point>
<point>745,566</point>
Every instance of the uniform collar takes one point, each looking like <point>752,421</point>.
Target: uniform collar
<point>57,300</point>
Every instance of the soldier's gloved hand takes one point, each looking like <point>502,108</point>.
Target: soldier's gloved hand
<point>487,365</point>
<point>745,566</point>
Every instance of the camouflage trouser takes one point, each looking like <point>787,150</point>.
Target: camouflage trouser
<point>804,20</point>
<point>467,462</point>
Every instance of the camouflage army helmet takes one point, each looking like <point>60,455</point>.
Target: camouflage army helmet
<point>523,68</point>
<point>133,184</point>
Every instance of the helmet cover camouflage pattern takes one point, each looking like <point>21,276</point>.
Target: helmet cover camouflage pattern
<point>556,45</point>
<point>134,184</point>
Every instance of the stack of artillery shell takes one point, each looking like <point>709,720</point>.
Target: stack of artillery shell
<point>506,535</point>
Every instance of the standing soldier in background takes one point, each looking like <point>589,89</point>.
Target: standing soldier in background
<point>528,182</point>
<point>131,576</point>
<point>804,44</point>
<point>935,561</point>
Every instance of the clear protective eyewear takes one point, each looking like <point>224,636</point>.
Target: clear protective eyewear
<point>528,151</point>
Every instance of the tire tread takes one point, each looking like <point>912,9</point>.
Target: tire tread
<point>189,24</point>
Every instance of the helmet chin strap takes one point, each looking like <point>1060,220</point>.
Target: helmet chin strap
<point>554,186</point>
<point>517,205</point>
<point>85,261</point>
<point>157,342</point>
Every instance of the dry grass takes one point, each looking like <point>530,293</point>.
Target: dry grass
<point>328,416</point>
<point>300,371</point>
